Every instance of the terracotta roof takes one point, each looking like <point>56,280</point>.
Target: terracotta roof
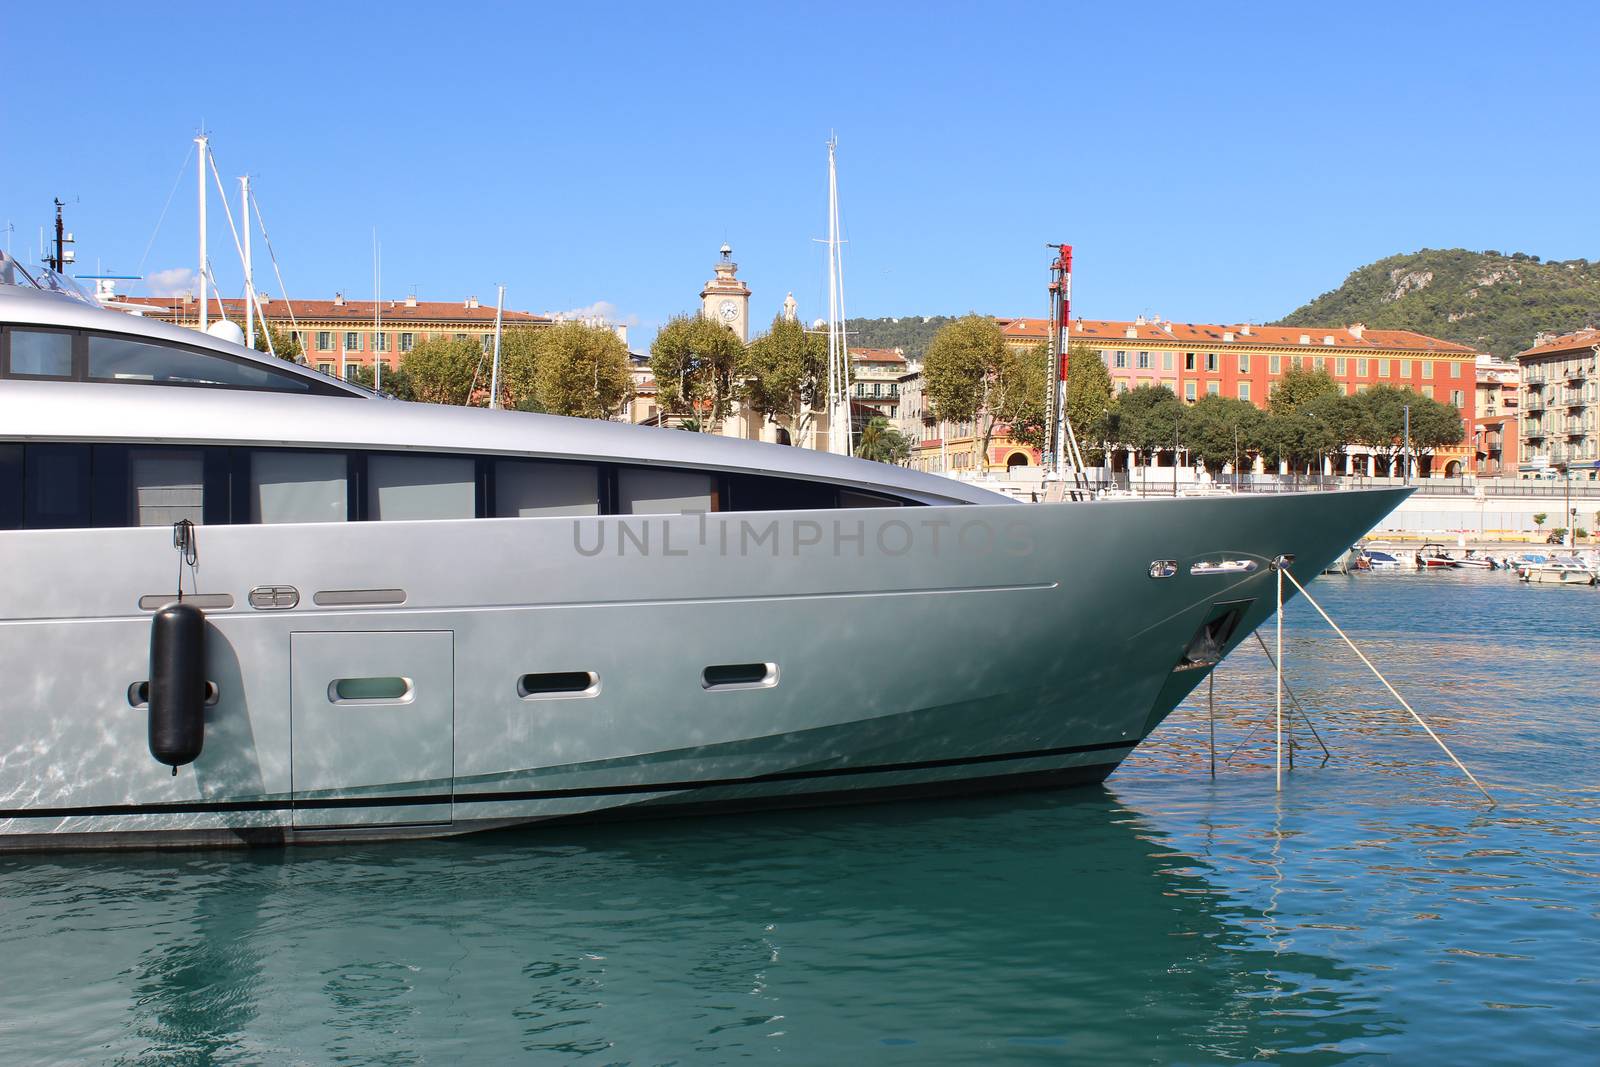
<point>1203,335</point>
<point>1584,339</point>
<point>353,311</point>
<point>877,355</point>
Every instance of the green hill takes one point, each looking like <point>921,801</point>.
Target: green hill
<point>910,332</point>
<point>1496,303</point>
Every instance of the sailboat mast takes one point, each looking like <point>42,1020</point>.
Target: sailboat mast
<point>249,268</point>
<point>838,352</point>
<point>832,304</point>
<point>494,369</point>
<point>200,173</point>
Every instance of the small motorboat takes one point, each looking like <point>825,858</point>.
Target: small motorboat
<point>1433,557</point>
<point>1472,559</point>
<point>1522,562</point>
<point>1559,571</point>
<point>1379,560</point>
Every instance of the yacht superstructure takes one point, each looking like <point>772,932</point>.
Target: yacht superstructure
<point>421,620</point>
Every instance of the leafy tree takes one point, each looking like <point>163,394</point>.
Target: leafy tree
<point>962,374</point>
<point>396,382</point>
<point>1539,519</point>
<point>694,360</point>
<point>1301,438</point>
<point>1216,428</point>
<point>1022,385</point>
<point>441,369</point>
<point>582,371</point>
<point>1146,419</point>
<point>784,375</point>
<point>285,345</point>
<point>519,368</point>
<point>1433,424</point>
<point>882,442</point>
<point>1089,401</point>
<point>1300,388</point>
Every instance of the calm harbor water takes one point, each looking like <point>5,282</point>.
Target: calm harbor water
<point>1375,908</point>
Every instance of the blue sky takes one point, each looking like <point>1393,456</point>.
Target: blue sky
<point>1216,162</point>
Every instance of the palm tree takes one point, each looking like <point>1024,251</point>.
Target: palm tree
<point>883,442</point>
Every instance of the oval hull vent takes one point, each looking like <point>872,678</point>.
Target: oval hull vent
<point>740,676</point>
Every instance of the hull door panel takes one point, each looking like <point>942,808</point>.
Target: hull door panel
<point>372,723</point>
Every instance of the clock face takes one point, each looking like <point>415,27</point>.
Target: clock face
<point>728,311</point>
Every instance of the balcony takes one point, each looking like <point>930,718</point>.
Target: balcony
<point>1535,403</point>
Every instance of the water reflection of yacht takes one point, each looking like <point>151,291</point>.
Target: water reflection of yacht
<point>423,620</point>
<point>540,943</point>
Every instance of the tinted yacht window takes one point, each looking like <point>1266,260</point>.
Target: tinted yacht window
<point>856,498</point>
<point>56,487</point>
<point>40,353</point>
<point>523,489</point>
<point>166,485</point>
<point>299,487</point>
<point>421,487</point>
<point>642,491</point>
<point>750,492</point>
<point>10,487</point>
<point>123,359</point>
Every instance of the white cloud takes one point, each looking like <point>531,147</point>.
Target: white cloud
<point>175,281</point>
<point>600,309</point>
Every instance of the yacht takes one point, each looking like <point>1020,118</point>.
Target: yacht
<point>248,603</point>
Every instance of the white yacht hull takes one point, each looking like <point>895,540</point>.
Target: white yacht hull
<point>1550,574</point>
<point>911,650</point>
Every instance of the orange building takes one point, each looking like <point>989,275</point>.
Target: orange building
<point>1495,430</point>
<point>1244,360</point>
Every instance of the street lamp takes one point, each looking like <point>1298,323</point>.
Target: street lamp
<point>1566,482</point>
<point>1174,456</point>
<point>1236,457</point>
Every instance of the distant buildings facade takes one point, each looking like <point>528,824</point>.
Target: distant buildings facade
<point>1244,361</point>
<point>338,336</point>
<point>1560,403</point>
<point>1496,425</point>
<point>877,373</point>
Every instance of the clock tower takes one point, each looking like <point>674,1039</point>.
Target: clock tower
<point>726,299</point>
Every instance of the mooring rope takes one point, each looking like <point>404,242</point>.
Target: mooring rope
<point>1283,571</point>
